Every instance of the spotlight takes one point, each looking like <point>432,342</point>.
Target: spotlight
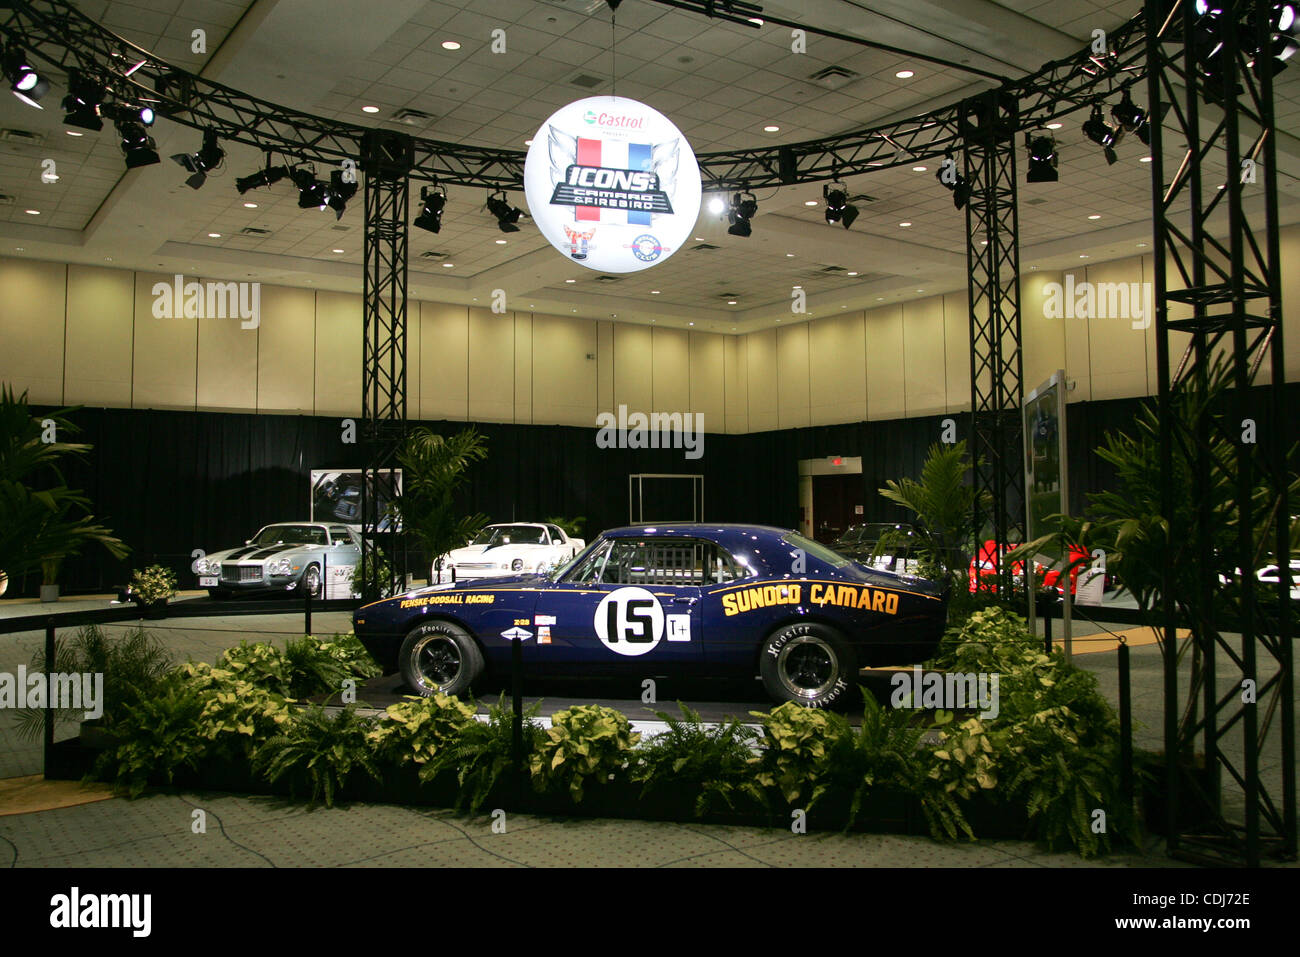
<point>717,206</point>
<point>953,180</point>
<point>433,199</point>
<point>311,191</point>
<point>1133,119</point>
<point>1042,158</point>
<point>82,102</point>
<point>339,192</point>
<point>200,164</point>
<point>1100,132</point>
<point>129,113</point>
<point>506,214</point>
<point>28,85</point>
<point>137,145</point>
<point>263,177</point>
<point>741,212</point>
<point>838,207</point>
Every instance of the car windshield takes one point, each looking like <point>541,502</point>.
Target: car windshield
<point>291,535</point>
<point>816,549</point>
<point>496,535</point>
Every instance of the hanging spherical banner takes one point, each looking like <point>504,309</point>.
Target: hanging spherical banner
<point>612,183</point>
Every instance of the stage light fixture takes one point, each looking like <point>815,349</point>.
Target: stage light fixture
<point>26,84</point>
<point>1042,158</point>
<point>838,207</point>
<point>339,192</point>
<point>1132,118</point>
<point>432,199</point>
<point>311,191</point>
<point>81,105</point>
<point>138,146</point>
<point>200,164</point>
<point>263,177</point>
<point>128,113</point>
<point>507,215</point>
<point>953,181</point>
<point>744,207</point>
<point>1102,133</point>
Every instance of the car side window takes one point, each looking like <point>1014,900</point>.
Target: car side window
<point>592,566</point>
<point>341,535</point>
<point>671,561</point>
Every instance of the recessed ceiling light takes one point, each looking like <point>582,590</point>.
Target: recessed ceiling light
<point>74,133</point>
<point>853,273</point>
<point>448,265</point>
<point>789,255</point>
<point>1142,245</point>
<point>1145,159</point>
<point>370,109</point>
<point>528,142</point>
<point>1054,126</point>
<point>919,169</point>
<point>108,259</point>
<point>691,323</point>
<point>732,302</point>
<point>905,224</point>
<point>1095,216</point>
<point>500,242</point>
<point>250,206</point>
<point>654,292</point>
<point>1083,255</point>
<point>337,250</point>
<point>570,280</point>
<point>214,235</point>
<point>450,45</point>
<point>33,212</point>
<point>769,129</point>
<point>810,202</point>
<point>904,74</point>
<point>699,239</point>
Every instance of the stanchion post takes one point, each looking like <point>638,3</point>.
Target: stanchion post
<point>517,721</point>
<point>49,710</point>
<point>1125,728</point>
<point>306,605</point>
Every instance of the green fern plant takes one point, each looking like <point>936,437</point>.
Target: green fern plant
<point>711,762</point>
<point>881,753</point>
<point>324,749</point>
<point>484,753</point>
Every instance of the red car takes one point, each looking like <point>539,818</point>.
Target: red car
<point>981,566</point>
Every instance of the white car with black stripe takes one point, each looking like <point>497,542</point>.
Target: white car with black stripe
<point>290,557</point>
<point>509,548</point>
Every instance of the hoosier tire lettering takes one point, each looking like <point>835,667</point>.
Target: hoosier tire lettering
<point>807,663</point>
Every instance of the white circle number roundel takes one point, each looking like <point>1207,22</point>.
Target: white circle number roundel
<point>612,183</point>
<point>629,621</point>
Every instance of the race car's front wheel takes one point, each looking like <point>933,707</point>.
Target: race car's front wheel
<point>439,656</point>
<point>808,663</point>
<point>311,581</point>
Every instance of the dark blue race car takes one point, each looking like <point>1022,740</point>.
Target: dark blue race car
<point>686,599</point>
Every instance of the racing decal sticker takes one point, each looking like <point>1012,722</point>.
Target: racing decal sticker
<point>819,593</point>
<point>612,183</point>
<point>679,627</point>
<point>458,599</point>
<point>516,634</point>
<point>544,634</point>
<point>762,596</point>
<point>543,619</point>
<point>629,621</point>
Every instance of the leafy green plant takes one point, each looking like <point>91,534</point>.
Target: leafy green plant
<point>572,526</point>
<point>237,713</point>
<point>133,665</point>
<point>958,766</point>
<point>154,584</point>
<point>321,749</point>
<point>485,753</point>
<point>585,744</point>
<point>157,737</point>
<point>795,748</point>
<point>433,468</point>
<point>881,753</point>
<point>304,667</point>
<point>714,763</point>
<point>418,730</point>
<point>41,518</point>
<point>943,507</point>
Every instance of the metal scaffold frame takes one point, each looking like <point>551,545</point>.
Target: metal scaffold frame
<point>1218,323</point>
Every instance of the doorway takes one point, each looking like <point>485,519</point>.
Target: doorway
<point>830,496</point>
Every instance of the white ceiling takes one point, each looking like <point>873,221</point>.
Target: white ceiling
<point>721,84</point>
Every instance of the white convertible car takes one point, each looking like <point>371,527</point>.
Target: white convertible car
<point>508,549</point>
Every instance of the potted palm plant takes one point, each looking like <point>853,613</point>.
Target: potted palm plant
<point>50,579</point>
<point>151,588</point>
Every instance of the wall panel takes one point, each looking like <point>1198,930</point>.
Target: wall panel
<point>98,364</point>
<point>33,295</point>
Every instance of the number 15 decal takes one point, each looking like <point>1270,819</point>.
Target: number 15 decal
<point>629,621</point>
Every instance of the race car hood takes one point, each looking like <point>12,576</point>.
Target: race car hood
<point>259,553</point>
<point>491,553</point>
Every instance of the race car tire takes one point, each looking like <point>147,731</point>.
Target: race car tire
<point>311,581</point>
<point>807,663</point>
<point>438,656</point>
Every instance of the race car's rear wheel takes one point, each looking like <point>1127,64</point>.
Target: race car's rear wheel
<point>808,663</point>
<point>439,656</point>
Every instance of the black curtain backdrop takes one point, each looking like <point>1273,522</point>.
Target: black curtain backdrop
<point>171,482</point>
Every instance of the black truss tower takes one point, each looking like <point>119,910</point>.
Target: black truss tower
<point>386,159</point>
<point>988,129</point>
<point>1219,317</point>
